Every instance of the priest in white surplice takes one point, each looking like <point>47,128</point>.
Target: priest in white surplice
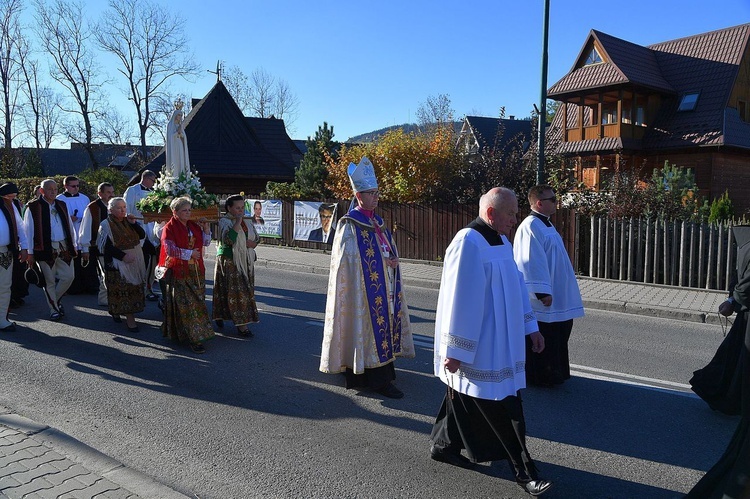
<point>541,256</point>
<point>483,317</point>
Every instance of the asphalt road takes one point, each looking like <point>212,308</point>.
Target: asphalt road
<point>255,418</point>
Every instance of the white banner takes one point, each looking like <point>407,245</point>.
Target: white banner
<point>314,221</point>
<point>265,216</point>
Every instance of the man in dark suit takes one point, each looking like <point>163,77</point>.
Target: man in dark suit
<point>326,231</point>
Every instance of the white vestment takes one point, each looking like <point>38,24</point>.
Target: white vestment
<point>76,206</point>
<point>542,259</point>
<point>483,316</point>
<point>132,195</point>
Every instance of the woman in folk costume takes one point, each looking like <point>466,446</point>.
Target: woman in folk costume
<point>725,385</point>
<point>119,241</point>
<point>183,273</point>
<point>234,275</point>
<point>367,320</point>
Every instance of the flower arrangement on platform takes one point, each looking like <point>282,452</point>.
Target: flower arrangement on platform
<point>167,188</point>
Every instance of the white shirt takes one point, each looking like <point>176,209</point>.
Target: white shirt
<point>57,232</point>
<point>541,256</point>
<point>76,206</point>
<point>483,315</point>
<point>5,230</point>
<point>132,195</point>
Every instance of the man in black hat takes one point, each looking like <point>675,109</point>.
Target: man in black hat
<point>13,247</point>
<point>51,244</point>
<point>19,289</point>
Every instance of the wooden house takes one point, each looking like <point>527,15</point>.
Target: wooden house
<point>231,152</point>
<point>481,134</point>
<point>686,101</point>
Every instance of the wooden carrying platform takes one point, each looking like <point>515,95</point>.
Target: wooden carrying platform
<point>210,214</point>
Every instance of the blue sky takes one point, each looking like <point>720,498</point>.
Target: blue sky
<point>362,66</point>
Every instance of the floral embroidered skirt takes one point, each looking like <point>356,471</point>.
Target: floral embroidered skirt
<point>185,313</point>
<point>234,296</point>
<point>122,296</point>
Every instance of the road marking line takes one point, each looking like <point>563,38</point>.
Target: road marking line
<point>631,376</point>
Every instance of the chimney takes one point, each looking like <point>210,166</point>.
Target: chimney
<point>511,117</point>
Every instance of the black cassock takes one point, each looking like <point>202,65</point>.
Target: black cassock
<point>725,385</point>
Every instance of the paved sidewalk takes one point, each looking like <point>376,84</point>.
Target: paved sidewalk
<point>37,461</point>
<point>688,304</point>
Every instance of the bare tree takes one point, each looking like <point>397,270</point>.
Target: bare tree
<point>64,33</point>
<point>11,47</point>
<point>50,120</point>
<point>262,91</point>
<point>151,46</point>
<point>115,128</point>
<point>42,113</point>
<point>285,104</point>
<point>261,94</point>
<point>436,111</point>
<point>238,85</point>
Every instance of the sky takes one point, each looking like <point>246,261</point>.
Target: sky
<point>362,66</point>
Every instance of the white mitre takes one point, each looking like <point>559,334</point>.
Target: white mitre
<point>362,176</point>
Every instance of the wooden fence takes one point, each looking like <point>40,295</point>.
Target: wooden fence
<point>651,251</point>
<point>671,252</point>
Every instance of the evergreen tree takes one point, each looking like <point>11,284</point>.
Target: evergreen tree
<point>311,176</point>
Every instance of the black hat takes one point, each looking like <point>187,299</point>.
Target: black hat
<point>34,276</point>
<point>8,188</point>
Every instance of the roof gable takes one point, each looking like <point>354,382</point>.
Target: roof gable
<point>622,63</point>
<point>221,141</point>
<point>497,133</point>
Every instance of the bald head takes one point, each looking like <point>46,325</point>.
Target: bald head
<point>498,207</point>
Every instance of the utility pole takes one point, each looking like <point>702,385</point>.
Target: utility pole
<point>542,123</point>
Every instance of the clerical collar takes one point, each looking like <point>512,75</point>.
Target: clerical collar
<point>490,234</point>
<point>69,195</point>
<point>144,188</point>
<point>542,217</point>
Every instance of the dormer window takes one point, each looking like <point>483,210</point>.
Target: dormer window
<point>688,101</point>
<point>593,58</point>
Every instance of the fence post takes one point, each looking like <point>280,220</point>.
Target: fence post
<point>607,250</point>
<point>647,254</point>
<point>720,283</point>
<point>593,247</point>
<point>701,254</point>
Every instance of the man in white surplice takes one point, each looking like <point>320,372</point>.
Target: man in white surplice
<point>542,258</point>
<point>483,316</point>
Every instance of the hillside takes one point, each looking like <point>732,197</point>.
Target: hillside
<point>407,127</point>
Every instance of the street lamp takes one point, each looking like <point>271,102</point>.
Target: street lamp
<point>542,123</point>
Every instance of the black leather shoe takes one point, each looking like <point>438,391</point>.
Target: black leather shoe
<point>391,392</point>
<point>9,328</point>
<point>454,458</point>
<point>116,318</point>
<point>219,323</point>
<point>535,487</point>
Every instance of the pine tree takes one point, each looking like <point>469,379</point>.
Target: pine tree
<point>311,176</point>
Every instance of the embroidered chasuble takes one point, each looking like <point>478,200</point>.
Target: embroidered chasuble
<point>367,319</point>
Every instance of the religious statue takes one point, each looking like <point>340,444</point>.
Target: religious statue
<point>177,159</point>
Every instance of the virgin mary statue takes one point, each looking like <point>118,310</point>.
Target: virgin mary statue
<point>177,160</point>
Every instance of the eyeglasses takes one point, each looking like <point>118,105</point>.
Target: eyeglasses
<point>553,199</point>
<point>374,193</point>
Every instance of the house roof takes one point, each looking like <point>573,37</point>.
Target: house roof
<point>76,159</point>
<point>707,63</point>
<point>623,63</point>
<point>221,140</point>
<point>498,133</point>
